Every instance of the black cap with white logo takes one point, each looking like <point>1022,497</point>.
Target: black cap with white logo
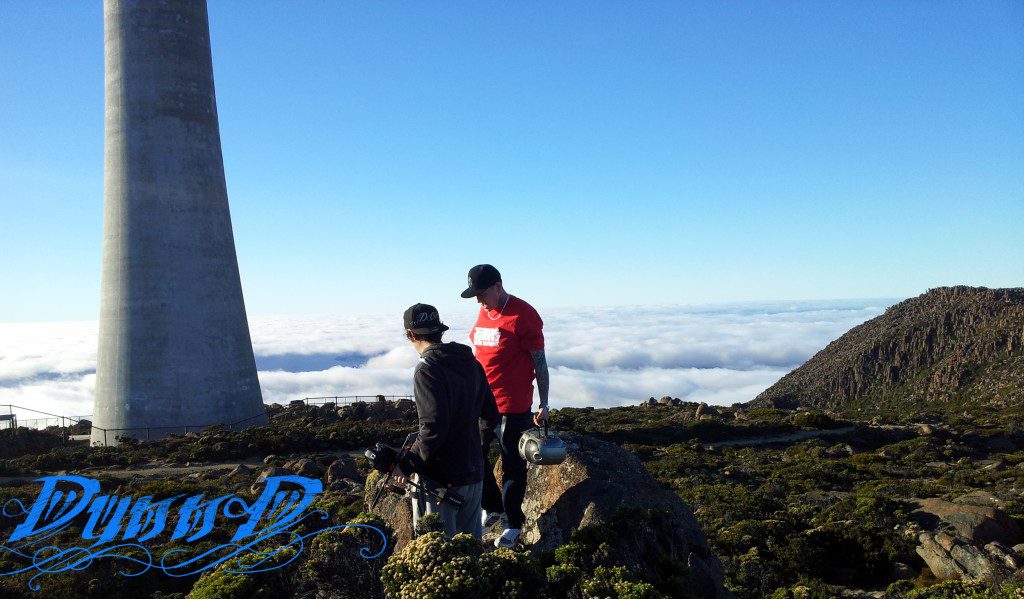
<point>423,319</point>
<point>481,277</point>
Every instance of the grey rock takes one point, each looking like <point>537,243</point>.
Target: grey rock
<point>305,467</point>
<point>938,560</point>
<point>395,509</point>
<point>977,564</point>
<point>340,469</point>
<point>704,409</point>
<point>978,524</point>
<point>595,480</point>
<point>980,497</point>
<point>274,471</point>
<point>944,540</point>
<point>240,469</point>
<point>1005,555</point>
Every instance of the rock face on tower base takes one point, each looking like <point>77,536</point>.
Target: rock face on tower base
<point>174,347</point>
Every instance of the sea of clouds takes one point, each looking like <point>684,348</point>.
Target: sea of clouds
<point>719,354</point>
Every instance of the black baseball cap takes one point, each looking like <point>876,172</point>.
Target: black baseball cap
<point>481,277</point>
<point>423,319</point>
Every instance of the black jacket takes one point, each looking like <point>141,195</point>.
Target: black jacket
<point>452,397</point>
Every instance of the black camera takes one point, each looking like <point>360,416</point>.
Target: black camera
<point>385,459</point>
<point>382,457</point>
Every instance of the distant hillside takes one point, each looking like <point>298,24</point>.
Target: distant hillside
<point>950,347</point>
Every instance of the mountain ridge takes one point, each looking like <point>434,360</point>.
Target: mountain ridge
<point>947,348</point>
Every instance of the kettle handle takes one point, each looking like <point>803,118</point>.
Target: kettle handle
<point>546,421</point>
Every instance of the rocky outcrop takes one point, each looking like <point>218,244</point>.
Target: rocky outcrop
<point>378,411</point>
<point>948,342</point>
<point>396,511</point>
<point>970,541</point>
<point>596,479</point>
<point>704,412</point>
<point>978,524</point>
<point>305,467</point>
<point>952,557</point>
<point>341,469</point>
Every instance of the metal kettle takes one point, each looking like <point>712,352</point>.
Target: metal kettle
<point>541,447</point>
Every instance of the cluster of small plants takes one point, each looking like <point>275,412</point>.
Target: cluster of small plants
<point>617,560</point>
<point>815,516</point>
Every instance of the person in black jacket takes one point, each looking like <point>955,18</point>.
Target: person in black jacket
<point>453,403</point>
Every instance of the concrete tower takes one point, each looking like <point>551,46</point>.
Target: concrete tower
<point>174,346</point>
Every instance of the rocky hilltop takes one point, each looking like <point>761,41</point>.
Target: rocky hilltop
<point>937,351</point>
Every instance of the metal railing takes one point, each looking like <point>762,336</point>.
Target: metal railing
<point>344,400</point>
<point>136,431</point>
<point>38,423</point>
<point>147,432</point>
<point>53,421</point>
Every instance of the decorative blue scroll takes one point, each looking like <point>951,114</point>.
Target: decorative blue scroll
<point>117,528</point>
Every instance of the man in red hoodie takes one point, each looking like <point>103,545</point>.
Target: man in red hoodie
<point>508,341</point>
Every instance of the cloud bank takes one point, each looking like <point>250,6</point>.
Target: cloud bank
<point>719,354</point>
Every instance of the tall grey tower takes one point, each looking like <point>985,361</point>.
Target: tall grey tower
<point>174,346</point>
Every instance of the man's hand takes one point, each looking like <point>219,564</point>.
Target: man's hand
<point>398,477</point>
<point>541,417</point>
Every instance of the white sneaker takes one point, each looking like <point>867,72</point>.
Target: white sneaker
<point>508,538</point>
<point>489,519</point>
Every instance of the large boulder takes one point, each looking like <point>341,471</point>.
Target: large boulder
<point>598,478</point>
<point>305,467</point>
<point>979,524</point>
<point>594,482</point>
<point>704,410</point>
<point>342,468</point>
<point>972,538</point>
<point>395,510</point>
<point>952,557</point>
<point>380,412</point>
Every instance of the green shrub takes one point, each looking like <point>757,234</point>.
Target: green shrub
<point>429,523</point>
<point>222,584</point>
<point>435,565</point>
<point>954,589</point>
<point>818,420</point>
<point>617,583</point>
<point>807,589</point>
<point>634,540</point>
<point>335,565</point>
<point>511,575</point>
<point>562,579</point>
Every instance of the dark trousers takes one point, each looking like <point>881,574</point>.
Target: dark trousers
<point>509,498</point>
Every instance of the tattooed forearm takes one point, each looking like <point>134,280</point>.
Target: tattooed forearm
<point>540,366</point>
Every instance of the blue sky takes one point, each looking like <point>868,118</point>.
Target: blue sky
<point>599,153</point>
